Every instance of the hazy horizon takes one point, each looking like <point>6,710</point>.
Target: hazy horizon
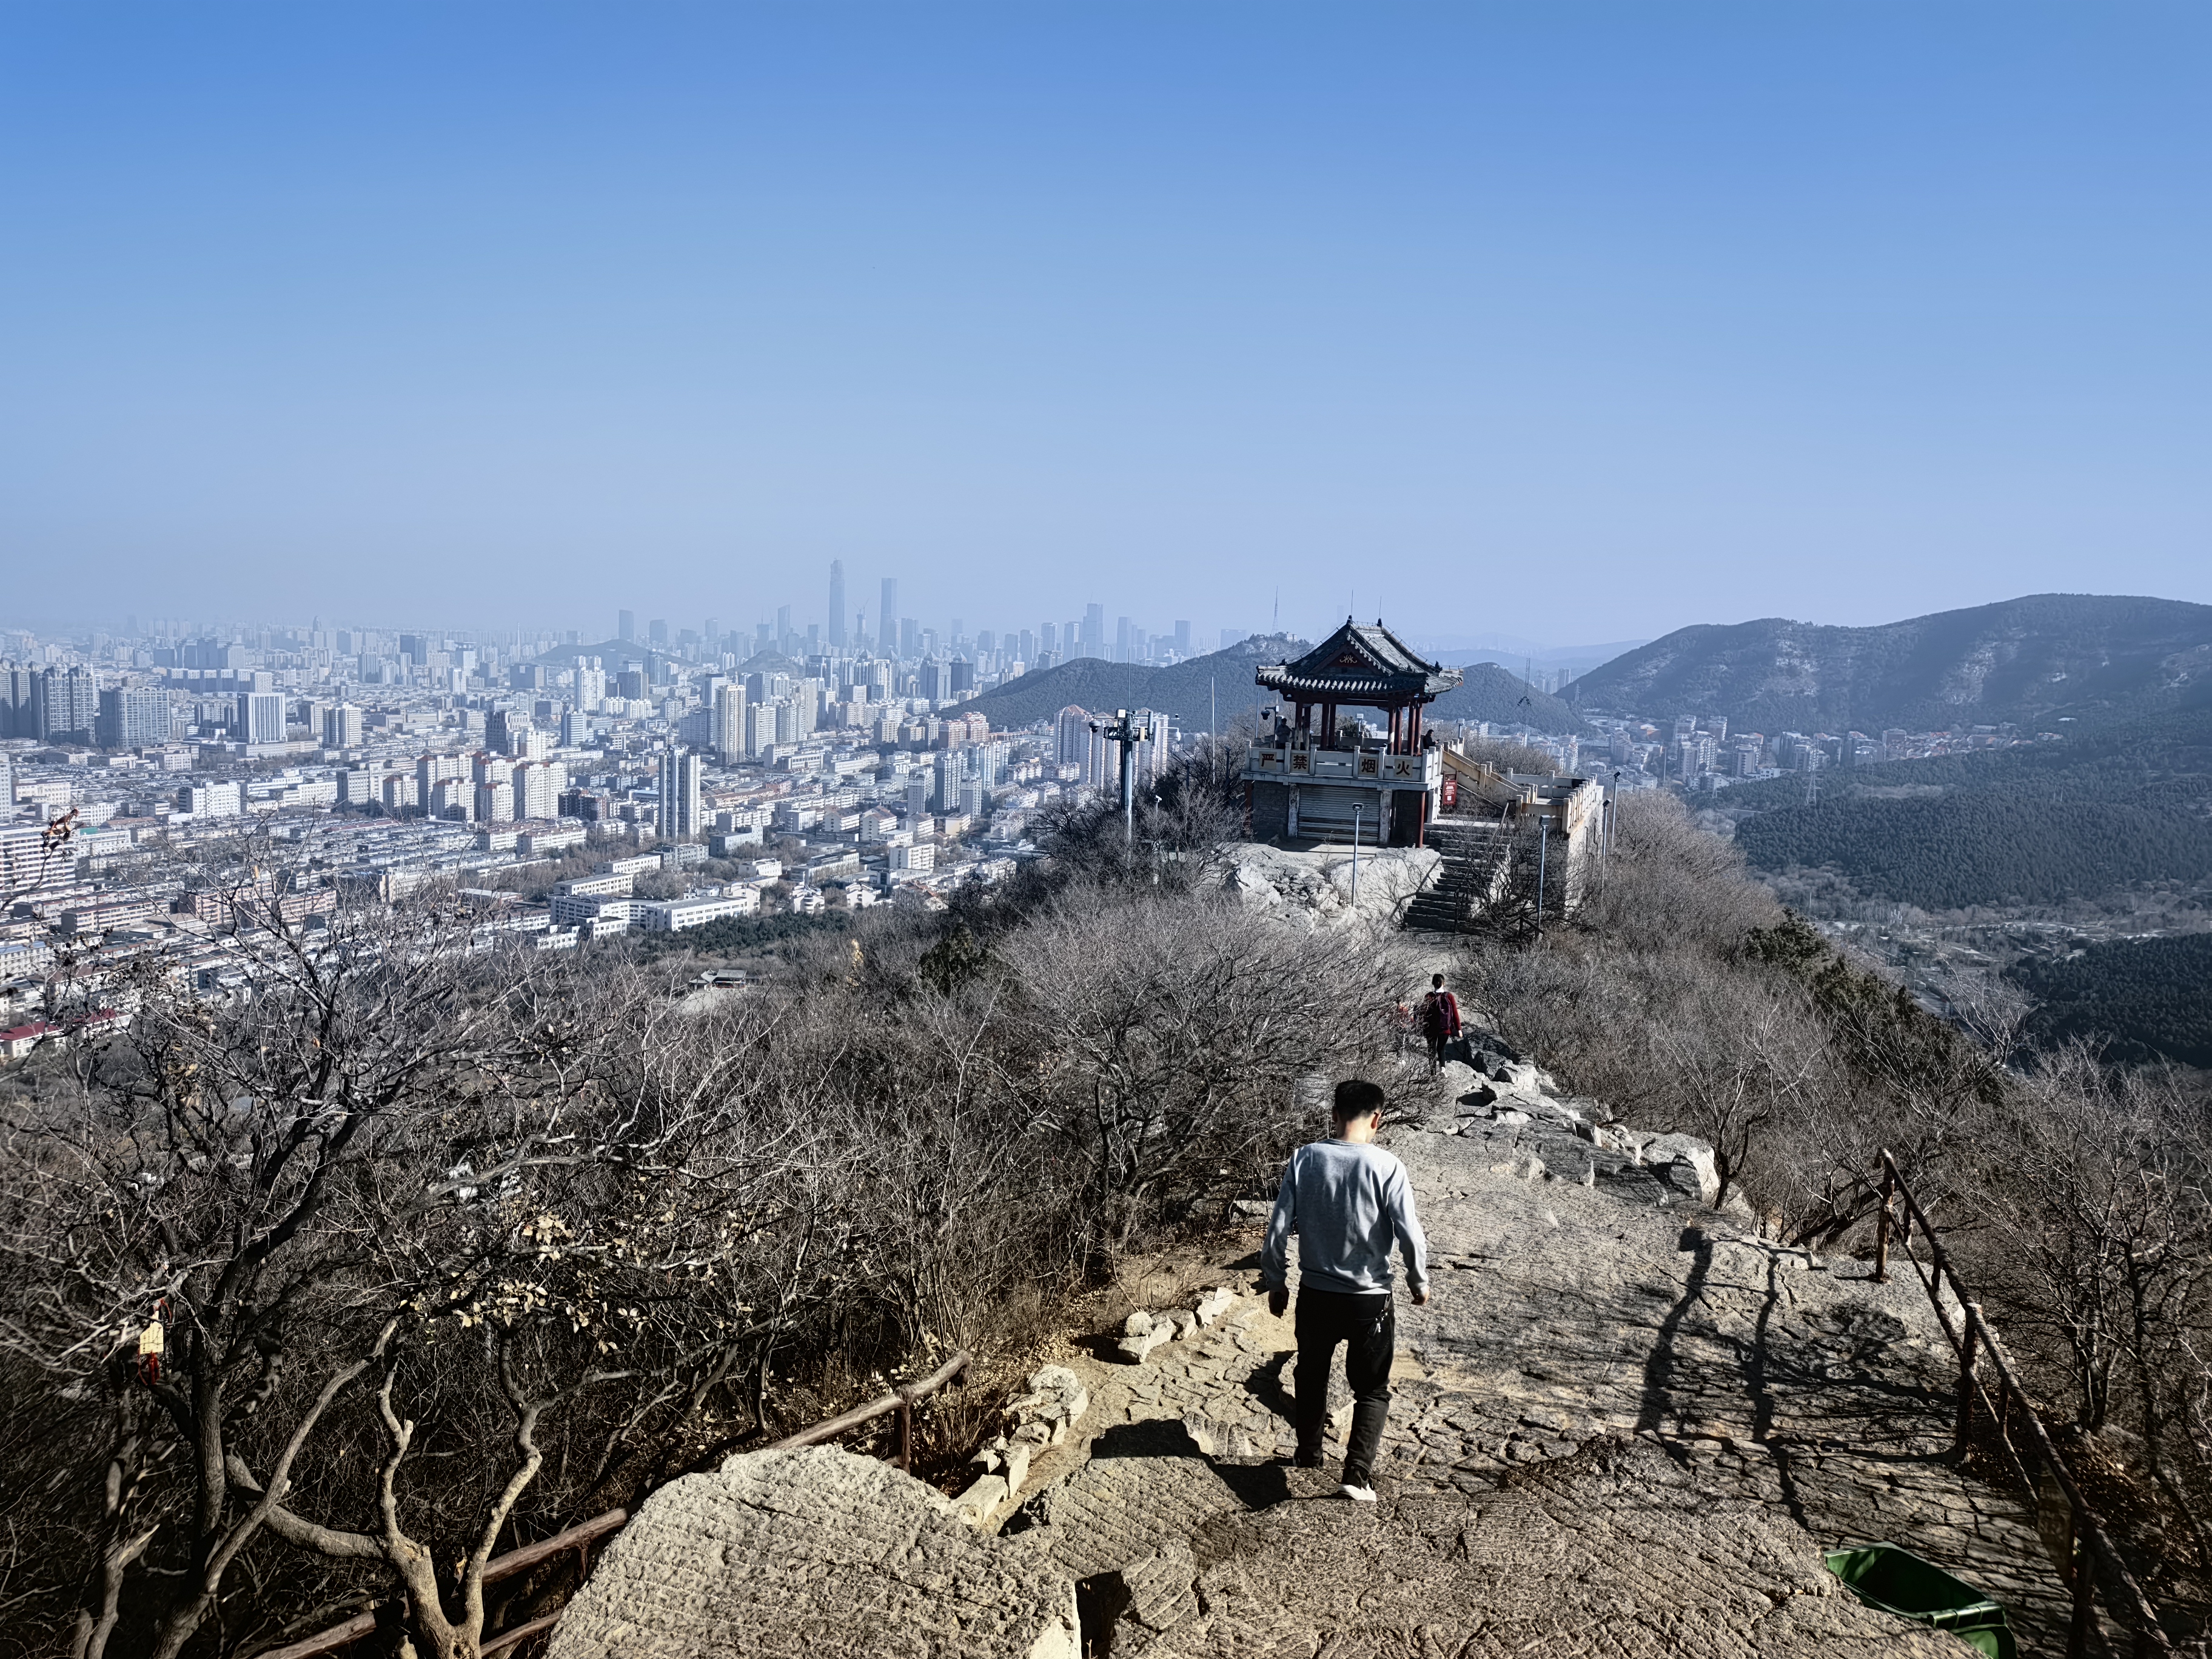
<point>1577,325</point>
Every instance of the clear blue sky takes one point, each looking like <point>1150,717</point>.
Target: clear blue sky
<point>1579,322</point>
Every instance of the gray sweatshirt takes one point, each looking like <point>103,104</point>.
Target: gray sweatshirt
<point>1346,1200</point>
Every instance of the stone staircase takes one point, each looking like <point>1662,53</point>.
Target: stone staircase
<point>1474,851</point>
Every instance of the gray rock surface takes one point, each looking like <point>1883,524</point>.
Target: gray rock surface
<point>815,1554</point>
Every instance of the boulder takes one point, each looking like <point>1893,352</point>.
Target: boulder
<point>1685,1164</point>
<point>822,1552</point>
<point>1214,1303</point>
<point>1137,1346</point>
<point>980,1501</point>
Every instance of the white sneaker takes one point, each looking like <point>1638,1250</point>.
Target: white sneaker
<point>1357,1494</point>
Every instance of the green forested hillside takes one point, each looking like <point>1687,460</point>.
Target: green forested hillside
<point>1946,852</point>
<point>2146,998</point>
<point>2037,824</point>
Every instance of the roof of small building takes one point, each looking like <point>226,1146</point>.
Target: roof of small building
<point>1360,664</point>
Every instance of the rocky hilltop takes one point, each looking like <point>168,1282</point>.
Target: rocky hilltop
<point>1624,1424</point>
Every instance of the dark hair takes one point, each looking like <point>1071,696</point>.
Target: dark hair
<point>1437,980</point>
<point>1355,1098</point>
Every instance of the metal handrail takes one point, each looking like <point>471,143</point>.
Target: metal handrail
<point>581,1537</point>
<point>2091,1548</point>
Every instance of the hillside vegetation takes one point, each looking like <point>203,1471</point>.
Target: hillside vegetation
<point>2143,1000</point>
<point>2094,657</point>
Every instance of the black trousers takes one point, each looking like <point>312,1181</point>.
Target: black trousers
<point>1368,1327</point>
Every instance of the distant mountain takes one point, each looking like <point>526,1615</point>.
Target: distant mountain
<point>1186,691</point>
<point>2090,658</point>
<point>1491,692</point>
<point>1222,680</point>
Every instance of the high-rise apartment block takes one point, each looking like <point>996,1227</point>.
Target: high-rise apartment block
<point>342,727</point>
<point>132,716</point>
<point>887,616</point>
<point>836,605</point>
<point>260,717</point>
<point>64,705</point>
<point>681,776</point>
<point>730,723</point>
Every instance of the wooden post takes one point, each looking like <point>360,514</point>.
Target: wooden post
<point>1973,1323</point>
<point>2085,1596</point>
<point>1882,1223</point>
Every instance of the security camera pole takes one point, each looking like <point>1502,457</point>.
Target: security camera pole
<point>1129,737</point>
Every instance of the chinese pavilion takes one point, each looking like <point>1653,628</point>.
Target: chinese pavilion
<point>1312,776</point>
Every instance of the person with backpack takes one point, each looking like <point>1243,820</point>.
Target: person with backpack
<point>1439,1020</point>
<point>1348,1201</point>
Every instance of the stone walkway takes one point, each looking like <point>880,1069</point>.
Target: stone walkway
<point>1670,1415</point>
<point>1624,1424</point>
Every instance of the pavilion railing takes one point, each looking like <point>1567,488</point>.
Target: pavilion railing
<point>2088,1560</point>
<point>581,1537</point>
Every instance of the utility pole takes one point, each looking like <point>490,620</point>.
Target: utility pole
<point>1543,850</point>
<point>1355,855</point>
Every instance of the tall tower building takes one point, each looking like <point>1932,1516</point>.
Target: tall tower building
<point>626,624</point>
<point>887,616</point>
<point>680,775</point>
<point>730,723</point>
<point>836,605</point>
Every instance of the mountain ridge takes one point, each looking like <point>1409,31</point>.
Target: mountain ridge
<point>1180,690</point>
<point>2036,659</point>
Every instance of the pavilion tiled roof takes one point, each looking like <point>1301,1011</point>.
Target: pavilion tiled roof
<point>1358,663</point>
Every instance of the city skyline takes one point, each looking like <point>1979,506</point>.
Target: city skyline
<point>1579,326</point>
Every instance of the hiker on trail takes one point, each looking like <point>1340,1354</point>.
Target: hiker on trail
<point>1439,1019</point>
<point>1347,1200</point>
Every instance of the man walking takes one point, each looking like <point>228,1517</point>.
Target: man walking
<point>1347,1199</point>
<point>1439,1020</point>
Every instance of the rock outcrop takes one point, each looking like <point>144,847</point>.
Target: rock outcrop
<point>1314,888</point>
<point>815,1554</point>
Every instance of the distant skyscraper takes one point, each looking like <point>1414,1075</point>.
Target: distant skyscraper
<point>713,636</point>
<point>910,637</point>
<point>887,627</point>
<point>1094,630</point>
<point>626,624</point>
<point>836,605</point>
<point>1182,639</point>
<point>657,632</point>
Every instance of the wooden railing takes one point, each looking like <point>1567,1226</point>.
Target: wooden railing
<point>581,1537</point>
<point>2089,1556</point>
